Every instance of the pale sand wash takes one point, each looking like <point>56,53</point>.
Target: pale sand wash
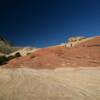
<point>59,84</point>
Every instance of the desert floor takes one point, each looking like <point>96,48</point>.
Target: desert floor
<point>58,84</point>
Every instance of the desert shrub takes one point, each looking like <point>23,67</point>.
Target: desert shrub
<point>3,60</point>
<point>11,57</point>
<point>28,53</point>
<point>17,54</point>
<point>32,56</point>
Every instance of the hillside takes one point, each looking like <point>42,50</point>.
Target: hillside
<point>6,47</point>
<point>59,57</point>
<point>92,42</point>
<point>54,73</point>
<point>74,41</point>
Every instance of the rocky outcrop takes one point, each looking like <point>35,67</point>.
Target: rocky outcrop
<point>76,41</point>
<point>25,51</point>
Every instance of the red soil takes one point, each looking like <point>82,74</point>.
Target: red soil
<point>59,56</point>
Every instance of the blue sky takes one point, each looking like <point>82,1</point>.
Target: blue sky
<point>43,23</point>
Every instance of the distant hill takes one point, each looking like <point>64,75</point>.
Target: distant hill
<point>4,41</point>
<point>83,41</point>
<point>90,42</point>
<point>6,47</point>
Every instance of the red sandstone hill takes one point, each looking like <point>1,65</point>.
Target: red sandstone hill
<point>91,42</point>
<point>85,54</point>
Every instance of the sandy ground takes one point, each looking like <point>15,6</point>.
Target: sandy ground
<point>58,84</point>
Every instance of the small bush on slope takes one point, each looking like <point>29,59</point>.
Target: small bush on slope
<point>17,54</point>
<point>4,59</point>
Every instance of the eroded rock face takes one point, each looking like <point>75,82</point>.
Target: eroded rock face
<point>83,42</point>
<point>91,42</point>
<point>74,39</point>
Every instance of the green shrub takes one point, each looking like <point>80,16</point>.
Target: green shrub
<point>28,53</point>
<point>3,60</point>
<point>11,57</point>
<point>17,54</point>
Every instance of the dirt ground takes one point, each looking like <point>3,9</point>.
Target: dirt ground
<point>58,84</point>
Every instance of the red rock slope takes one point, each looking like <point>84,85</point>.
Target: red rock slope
<point>59,56</point>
